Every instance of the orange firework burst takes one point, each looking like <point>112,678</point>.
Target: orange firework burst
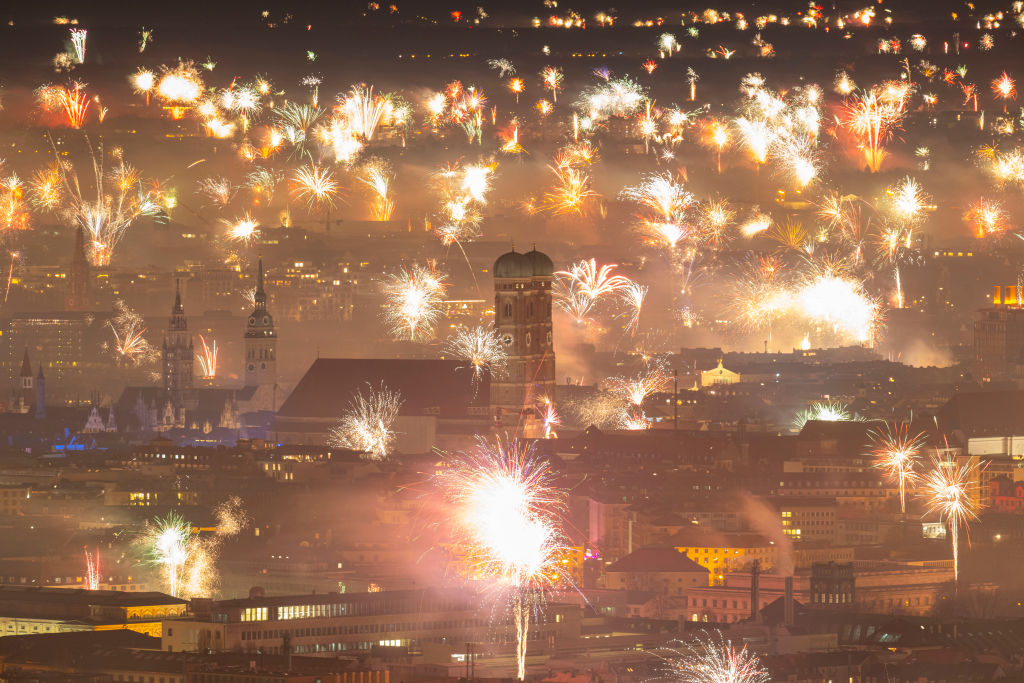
<point>1004,88</point>
<point>986,217</point>
<point>873,119</point>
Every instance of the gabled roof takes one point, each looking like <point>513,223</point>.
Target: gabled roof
<point>329,386</point>
<point>657,559</point>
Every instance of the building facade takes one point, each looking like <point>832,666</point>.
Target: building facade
<point>261,350</point>
<point>522,319</point>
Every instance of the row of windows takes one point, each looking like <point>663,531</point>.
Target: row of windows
<point>363,628</point>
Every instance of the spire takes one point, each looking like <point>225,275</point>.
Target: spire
<point>261,296</point>
<point>40,375</point>
<point>178,308</point>
<point>26,366</point>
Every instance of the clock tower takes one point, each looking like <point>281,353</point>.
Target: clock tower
<point>261,350</point>
<point>522,319</point>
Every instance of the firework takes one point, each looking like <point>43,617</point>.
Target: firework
<point>755,225</point>
<point>315,185</point>
<point>217,190</point>
<point>366,425</point>
<point>78,43</point>
<point>987,217</point>
<point>45,189</point>
<point>873,118</point>
<point>715,217</point>
<point>377,176</point>
<point>712,659</point>
<point>951,491</point>
<point>578,290</point>
<point>185,559</point>
<point>634,295</point>
<point>618,97</point>
<point>552,77</point>
<point>180,85</point>
<point>637,388</point>
<point>208,358</point>
<point>761,297</point>
<point>364,110</point>
<point>908,200</point>
<point>481,348</point>
<point>1005,88</point>
<point>92,570</point>
<point>72,102</point>
<point>757,136</point>
<point>824,411</point>
<point>692,78</point>
<point>413,299</point>
<point>503,66</point>
<point>665,205</point>
<point>145,38</point>
<point>130,346</point>
<point>107,217</point>
<point>836,300</point>
<point>507,526</point>
<point>570,193</point>
<point>143,81</point>
<point>896,452</point>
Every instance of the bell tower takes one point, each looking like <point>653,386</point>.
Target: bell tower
<point>178,354</point>
<point>261,349</point>
<point>522,319</point>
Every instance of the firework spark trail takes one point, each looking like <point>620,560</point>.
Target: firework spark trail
<point>413,299</point>
<point>316,186</point>
<point>107,217</point>
<point>185,559</point>
<point>824,411</point>
<point>481,348</point>
<point>367,424</point>
<point>78,36</point>
<point>377,176</point>
<point>952,491</point>
<point>130,346</point>
<point>208,358</point>
<point>896,452</point>
<point>508,527</point>
<point>712,659</point>
<point>634,295</point>
<point>579,289</point>
<point>92,570</point>
<point>873,119</point>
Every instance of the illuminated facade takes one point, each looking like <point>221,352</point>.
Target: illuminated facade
<point>261,350</point>
<point>522,319</point>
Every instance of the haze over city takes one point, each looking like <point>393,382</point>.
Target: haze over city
<point>545,341</point>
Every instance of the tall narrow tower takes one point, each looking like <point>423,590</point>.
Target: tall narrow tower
<point>76,296</point>
<point>261,349</point>
<point>178,354</point>
<point>26,385</point>
<point>522,318</point>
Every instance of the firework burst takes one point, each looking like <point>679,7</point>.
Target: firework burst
<point>367,424</point>
<point>413,299</point>
<point>130,346</point>
<point>712,659</point>
<point>481,348</point>
<point>896,452</point>
<point>507,527</point>
<point>951,491</point>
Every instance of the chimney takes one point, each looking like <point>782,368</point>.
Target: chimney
<point>755,590</point>
<point>287,652</point>
<point>788,602</point>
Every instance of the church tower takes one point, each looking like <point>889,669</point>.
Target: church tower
<point>261,350</point>
<point>26,386</point>
<point>76,297</point>
<point>178,354</point>
<point>522,319</point>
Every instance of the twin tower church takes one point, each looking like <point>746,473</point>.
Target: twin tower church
<point>438,389</point>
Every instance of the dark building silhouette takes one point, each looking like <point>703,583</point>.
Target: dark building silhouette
<point>77,296</point>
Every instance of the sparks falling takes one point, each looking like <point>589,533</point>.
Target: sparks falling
<point>896,452</point>
<point>367,423</point>
<point>507,524</point>
<point>951,491</point>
